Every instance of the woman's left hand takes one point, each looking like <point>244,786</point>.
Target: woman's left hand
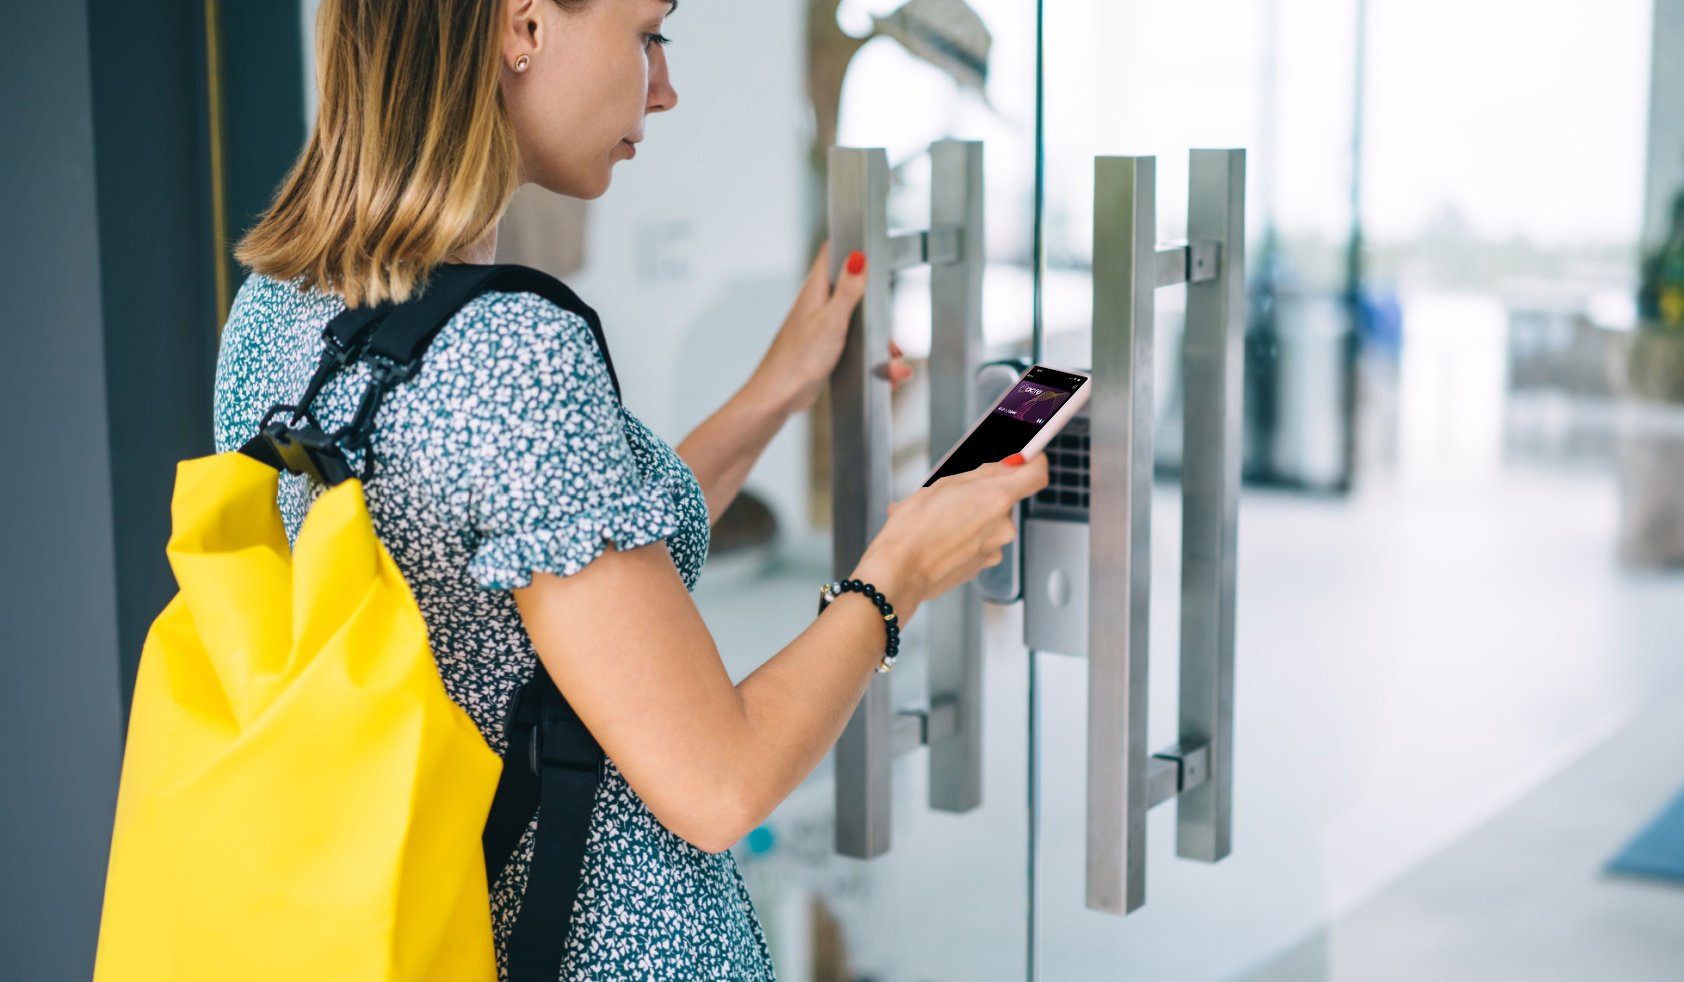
<point>810,342</point>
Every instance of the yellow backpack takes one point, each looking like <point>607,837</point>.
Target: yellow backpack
<point>300,798</point>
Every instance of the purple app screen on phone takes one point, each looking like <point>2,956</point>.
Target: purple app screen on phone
<point>1014,421</point>
<point>1032,402</point>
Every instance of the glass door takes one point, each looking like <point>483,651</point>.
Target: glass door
<point>1456,692</point>
<point>719,248</point>
<point>1452,646</point>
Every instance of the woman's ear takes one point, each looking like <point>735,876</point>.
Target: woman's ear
<point>523,29</point>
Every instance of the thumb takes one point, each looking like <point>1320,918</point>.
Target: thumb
<point>1028,477</point>
<point>850,282</point>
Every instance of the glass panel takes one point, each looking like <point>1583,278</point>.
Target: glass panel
<point>1448,684</point>
<point>902,915</point>
<point>693,259</point>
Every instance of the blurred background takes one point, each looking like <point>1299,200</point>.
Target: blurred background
<point>1460,657</point>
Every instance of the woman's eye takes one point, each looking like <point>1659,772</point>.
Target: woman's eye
<point>660,39</point>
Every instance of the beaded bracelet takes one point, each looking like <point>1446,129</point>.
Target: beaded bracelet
<point>829,592</point>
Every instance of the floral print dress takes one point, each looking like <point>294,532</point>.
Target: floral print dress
<point>508,453</point>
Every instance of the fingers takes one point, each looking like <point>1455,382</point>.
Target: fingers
<point>1030,476</point>
<point>821,264</point>
<point>1023,480</point>
<point>850,285</point>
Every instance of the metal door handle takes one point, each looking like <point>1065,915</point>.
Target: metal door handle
<point>1125,270</point>
<point>1124,782</point>
<point>860,474</point>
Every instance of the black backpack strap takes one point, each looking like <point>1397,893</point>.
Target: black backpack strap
<point>307,449</point>
<point>553,765</point>
<point>392,339</point>
<point>401,340</point>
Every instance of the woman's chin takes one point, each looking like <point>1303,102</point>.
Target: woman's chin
<point>573,186</point>
<point>595,185</point>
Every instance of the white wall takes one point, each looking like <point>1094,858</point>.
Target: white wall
<point>694,254</point>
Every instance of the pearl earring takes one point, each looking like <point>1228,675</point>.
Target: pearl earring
<point>522,63</point>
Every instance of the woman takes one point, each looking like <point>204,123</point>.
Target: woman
<point>507,466</point>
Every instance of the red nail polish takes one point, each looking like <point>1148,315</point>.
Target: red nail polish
<point>1014,460</point>
<point>856,262</point>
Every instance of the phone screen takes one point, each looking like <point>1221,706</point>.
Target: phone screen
<point>1014,421</point>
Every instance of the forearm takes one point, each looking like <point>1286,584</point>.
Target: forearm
<point>798,703</point>
<point>724,447</point>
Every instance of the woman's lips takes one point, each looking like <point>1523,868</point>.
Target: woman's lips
<point>631,148</point>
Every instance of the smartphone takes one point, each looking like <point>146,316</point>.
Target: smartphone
<point>1024,420</point>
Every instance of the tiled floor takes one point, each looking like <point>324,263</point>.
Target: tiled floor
<point>1524,895</point>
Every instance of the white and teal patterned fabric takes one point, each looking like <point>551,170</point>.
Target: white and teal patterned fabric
<point>508,453</point>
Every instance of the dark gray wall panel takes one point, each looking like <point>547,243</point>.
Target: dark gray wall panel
<point>59,730</point>
<point>152,153</point>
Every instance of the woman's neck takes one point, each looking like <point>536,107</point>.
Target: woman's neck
<point>483,252</point>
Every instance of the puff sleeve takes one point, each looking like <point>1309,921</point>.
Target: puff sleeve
<point>551,477</point>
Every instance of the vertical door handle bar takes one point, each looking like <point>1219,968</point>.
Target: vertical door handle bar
<point>859,479</point>
<point>1213,369</point>
<point>955,633</point>
<point>1197,772</point>
<point>1119,556</point>
<point>861,474</point>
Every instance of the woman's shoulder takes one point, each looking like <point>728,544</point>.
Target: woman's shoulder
<point>520,350</point>
<point>515,348</point>
<point>501,323</point>
<point>264,301</point>
<point>520,318</point>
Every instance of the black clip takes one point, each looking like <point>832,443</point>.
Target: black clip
<point>565,742</point>
<point>521,721</point>
<point>305,449</point>
<point>551,734</point>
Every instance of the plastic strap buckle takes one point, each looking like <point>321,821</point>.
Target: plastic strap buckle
<point>305,449</point>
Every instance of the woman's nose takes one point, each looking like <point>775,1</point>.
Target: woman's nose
<point>662,96</point>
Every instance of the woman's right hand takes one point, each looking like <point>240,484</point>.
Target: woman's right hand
<point>940,536</point>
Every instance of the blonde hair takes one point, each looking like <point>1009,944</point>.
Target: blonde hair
<point>412,156</point>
